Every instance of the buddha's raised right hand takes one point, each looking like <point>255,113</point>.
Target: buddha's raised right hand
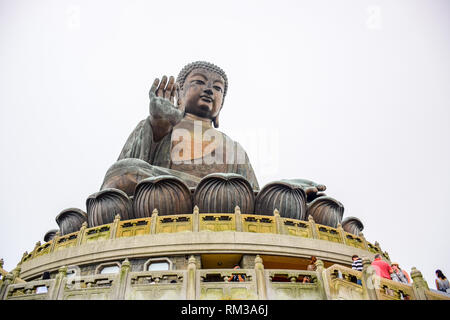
<point>163,113</point>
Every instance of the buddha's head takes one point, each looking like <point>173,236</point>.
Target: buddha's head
<point>201,90</point>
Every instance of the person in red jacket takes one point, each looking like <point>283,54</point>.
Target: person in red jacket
<point>382,268</point>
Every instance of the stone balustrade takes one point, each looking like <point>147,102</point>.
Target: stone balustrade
<point>204,222</point>
<point>333,283</point>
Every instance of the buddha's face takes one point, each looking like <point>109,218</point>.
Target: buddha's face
<point>202,93</point>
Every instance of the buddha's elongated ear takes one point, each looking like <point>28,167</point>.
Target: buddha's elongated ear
<point>216,121</point>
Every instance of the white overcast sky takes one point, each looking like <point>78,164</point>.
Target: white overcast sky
<point>351,94</point>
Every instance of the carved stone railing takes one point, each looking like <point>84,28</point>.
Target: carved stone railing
<point>92,287</point>
<point>175,223</point>
<point>156,285</point>
<point>342,283</point>
<point>293,285</point>
<point>393,290</point>
<point>220,288</point>
<point>355,241</point>
<point>35,290</point>
<point>132,228</point>
<point>43,249</point>
<point>296,228</point>
<point>335,282</point>
<point>204,222</point>
<point>102,232</point>
<point>258,223</point>
<point>67,241</point>
<point>217,222</point>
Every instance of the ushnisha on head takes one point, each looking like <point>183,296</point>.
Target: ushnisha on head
<point>201,90</point>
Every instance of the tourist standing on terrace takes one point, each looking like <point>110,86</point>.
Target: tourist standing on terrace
<point>311,267</point>
<point>442,283</point>
<point>382,268</point>
<point>399,274</point>
<point>357,265</point>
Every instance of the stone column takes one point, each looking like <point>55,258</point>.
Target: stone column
<point>191,281</point>
<point>279,222</point>
<point>9,279</point>
<point>115,226</point>
<point>122,280</point>
<point>57,292</point>
<point>195,220</point>
<point>321,280</point>
<point>420,286</point>
<point>81,233</point>
<point>238,217</point>
<point>369,287</point>
<point>260,278</point>
<point>312,224</point>
<point>154,222</point>
<point>55,241</point>
<point>341,233</point>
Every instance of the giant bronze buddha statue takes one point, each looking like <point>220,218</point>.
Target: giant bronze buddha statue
<point>176,159</point>
<point>179,138</point>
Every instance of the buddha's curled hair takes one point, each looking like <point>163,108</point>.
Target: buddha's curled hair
<point>202,65</point>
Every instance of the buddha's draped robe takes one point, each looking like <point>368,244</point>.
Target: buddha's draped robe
<point>140,145</point>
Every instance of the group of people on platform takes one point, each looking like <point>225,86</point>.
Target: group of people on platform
<point>394,272</point>
<point>383,269</point>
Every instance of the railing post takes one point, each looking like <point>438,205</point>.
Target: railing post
<point>279,222</point>
<point>366,246</point>
<point>115,226</point>
<point>260,279</point>
<point>121,286</point>
<point>9,279</point>
<point>58,289</point>
<point>312,224</point>
<point>195,219</point>
<point>81,233</point>
<point>16,273</point>
<point>54,241</point>
<point>238,217</point>
<point>341,233</point>
<point>154,221</point>
<point>420,286</point>
<point>191,279</point>
<point>383,254</point>
<point>36,246</point>
<point>321,280</point>
<point>23,257</point>
<point>369,287</point>
<point>377,245</point>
